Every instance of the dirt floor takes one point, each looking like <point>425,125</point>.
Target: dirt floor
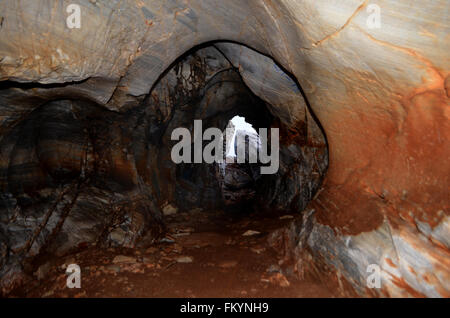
<point>203,255</point>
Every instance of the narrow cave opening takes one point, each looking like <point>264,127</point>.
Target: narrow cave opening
<point>238,175</point>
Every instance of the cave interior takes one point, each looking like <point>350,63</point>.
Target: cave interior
<point>361,171</point>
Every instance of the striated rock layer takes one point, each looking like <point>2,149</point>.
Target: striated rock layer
<point>79,130</point>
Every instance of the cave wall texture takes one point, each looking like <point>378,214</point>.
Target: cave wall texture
<point>380,95</point>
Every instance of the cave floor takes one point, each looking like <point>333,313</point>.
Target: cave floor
<point>202,255</point>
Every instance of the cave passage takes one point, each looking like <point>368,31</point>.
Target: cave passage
<point>82,178</point>
<point>222,93</point>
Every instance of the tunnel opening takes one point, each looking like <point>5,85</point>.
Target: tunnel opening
<point>238,176</point>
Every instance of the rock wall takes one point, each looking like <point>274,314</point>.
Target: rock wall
<point>380,95</point>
